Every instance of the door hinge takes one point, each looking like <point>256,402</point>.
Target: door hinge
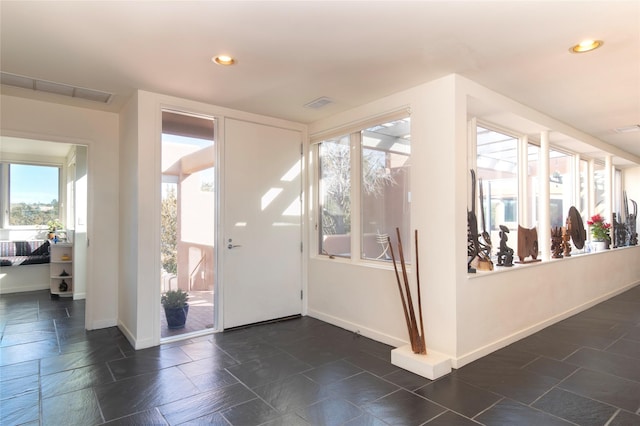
<point>301,294</point>
<point>301,149</point>
<point>301,247</point>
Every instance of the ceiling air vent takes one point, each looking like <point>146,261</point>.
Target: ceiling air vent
<point>318,103</point>
<point>51,87</point>
<point>628,129</point>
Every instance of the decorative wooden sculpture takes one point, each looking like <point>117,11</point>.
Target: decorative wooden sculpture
<point>472,228</point>
<point>484,256</point>
<point>566,240</point>
<point>556,242</point>
<point>630,222</point>
<point>527,244</point>
<point>416,337</point>
<point>505,254</point>
<point>577,231</point>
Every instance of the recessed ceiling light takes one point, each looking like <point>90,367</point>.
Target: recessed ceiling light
<point>223,60</point>
<point>586,46</point>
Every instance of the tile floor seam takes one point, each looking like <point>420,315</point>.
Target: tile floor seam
<point>612,417</point>
<point>488,408</point>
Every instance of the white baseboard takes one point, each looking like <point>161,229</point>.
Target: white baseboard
<point>105,323</point>
<point>357,328</point>
<point>465,359</point>
<point>23,288</point>
<point>127,333</point>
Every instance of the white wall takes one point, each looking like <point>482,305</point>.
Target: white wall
<point>98,130</point>
<point>128,219</point>
<point>465,317</point>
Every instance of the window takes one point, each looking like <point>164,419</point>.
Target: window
<point>584,188</point>
<point>335,196</point>
<point>34,194</point>
<point>598,185</point>
<point>560,187</point>
<point>385,188</point>
<point>366,196</point>
<point>497,173</point>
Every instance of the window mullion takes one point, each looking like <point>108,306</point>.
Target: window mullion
<point>355,141</point>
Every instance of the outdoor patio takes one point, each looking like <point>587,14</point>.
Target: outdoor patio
<point>200,316</point>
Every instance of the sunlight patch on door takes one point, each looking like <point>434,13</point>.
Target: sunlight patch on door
<point>269,197</point>
<point>292,173</point>
<point>293,209</point>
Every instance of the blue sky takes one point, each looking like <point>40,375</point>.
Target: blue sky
<point>33,184</point>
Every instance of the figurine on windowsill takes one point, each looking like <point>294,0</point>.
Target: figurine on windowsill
<point>505,253</point>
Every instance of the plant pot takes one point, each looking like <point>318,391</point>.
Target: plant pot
<point>597,246</point>
<point>176,317</point>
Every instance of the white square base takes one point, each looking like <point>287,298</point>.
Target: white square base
<point>433,365</point>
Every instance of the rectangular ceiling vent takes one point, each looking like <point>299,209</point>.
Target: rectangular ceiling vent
<point>318,103</point>
<point>628,129</point>
<point>56,88</point>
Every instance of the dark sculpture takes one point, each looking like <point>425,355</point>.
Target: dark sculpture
<point>478,253</point>
<point>566,239</point>
<point>527,244</point>
<point>624,228</point>
<point>472,227</point>
<point>556,242</point>
<point>576,229</point>
<point>505,254</point>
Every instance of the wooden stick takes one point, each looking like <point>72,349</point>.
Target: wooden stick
<point>422,340</point>
<point>404,304</point>
<point>413,330</point>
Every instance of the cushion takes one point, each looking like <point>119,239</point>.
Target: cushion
<point>23,248</point>
<point>43,249</point>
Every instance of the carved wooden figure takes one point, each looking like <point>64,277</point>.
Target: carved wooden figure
<point>527,244</point>
<point>556,242</point>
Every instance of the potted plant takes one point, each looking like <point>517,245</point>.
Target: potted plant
<point>54,225</point>
<point>599,232</point>
<point>176,307</point>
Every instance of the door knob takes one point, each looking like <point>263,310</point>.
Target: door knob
<point>230,246</point>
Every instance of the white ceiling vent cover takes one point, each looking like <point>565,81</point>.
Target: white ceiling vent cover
<point>52,87</point>
<point>318,103</point>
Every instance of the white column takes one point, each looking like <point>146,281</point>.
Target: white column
<point>544,221</point>
<point>576,181</point>
<point>608,188</point>
<point>591,191</point>
<point>524,218</point>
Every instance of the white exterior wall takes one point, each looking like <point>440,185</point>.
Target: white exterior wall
<point>30,119</point>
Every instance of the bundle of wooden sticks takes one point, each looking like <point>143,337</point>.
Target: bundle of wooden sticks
<point>416,337</point>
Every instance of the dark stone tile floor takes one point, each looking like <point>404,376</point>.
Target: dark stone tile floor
<point>581,371</point>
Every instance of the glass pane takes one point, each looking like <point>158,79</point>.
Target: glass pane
<point>335,197</point>
<point>385,189</point>
<point>598,184</point>
<point>531,218</point>
<point>584,189</point>
<point>34,194</point>
<point>188,217</point>
<point>561,187</point>
<point>498,173</point>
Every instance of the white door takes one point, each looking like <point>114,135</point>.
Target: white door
<point>261,254</point>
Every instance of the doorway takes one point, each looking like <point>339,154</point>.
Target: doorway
<point>188,205</point>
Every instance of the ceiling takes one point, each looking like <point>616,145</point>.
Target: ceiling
<point>290,53</point>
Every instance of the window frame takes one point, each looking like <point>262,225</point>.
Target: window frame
<point>354,132</point>
<point>577,164</point>
<point>5,187</point>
